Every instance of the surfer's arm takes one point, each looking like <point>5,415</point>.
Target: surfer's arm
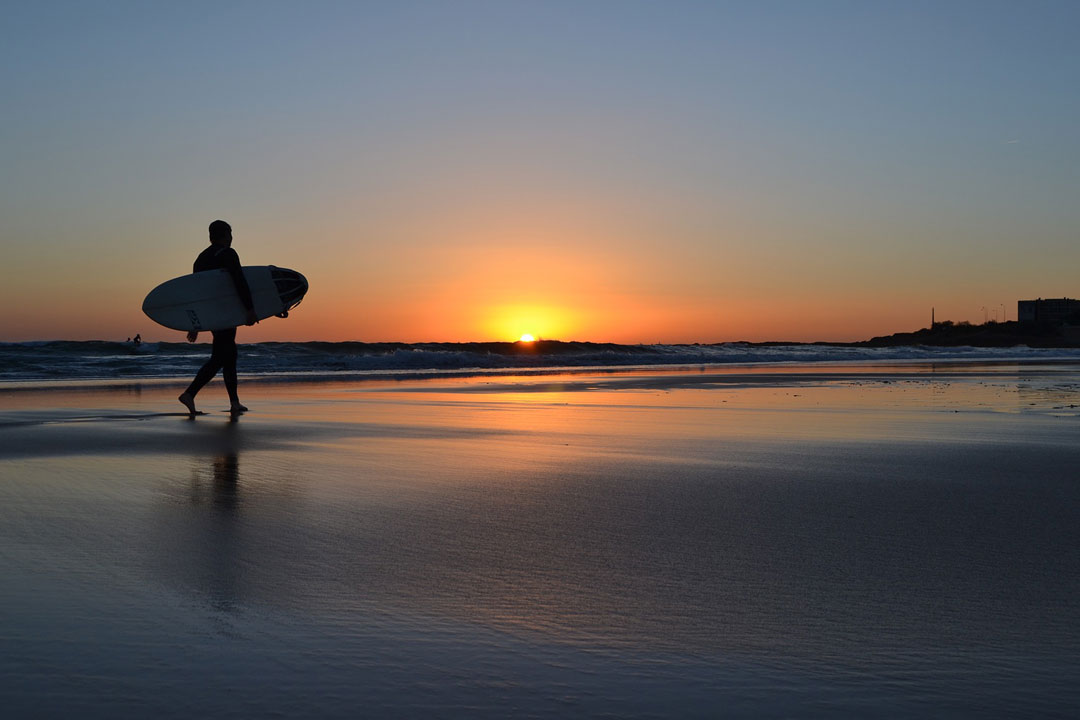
<point>232,264</point>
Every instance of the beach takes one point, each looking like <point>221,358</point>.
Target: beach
<point>795,540</point>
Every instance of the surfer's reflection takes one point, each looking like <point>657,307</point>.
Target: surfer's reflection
<point>220,488</point>
<point>225,473</point>
<point>209,538</point>
<point>226,487</point>
<point>217,534</point>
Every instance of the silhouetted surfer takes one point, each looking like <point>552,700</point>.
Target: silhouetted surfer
<point>221,255</point>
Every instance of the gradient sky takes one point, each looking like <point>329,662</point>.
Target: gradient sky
<point>612,171</point>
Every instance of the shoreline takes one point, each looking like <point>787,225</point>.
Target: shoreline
<point>779,369</point>
<point>289,362</point>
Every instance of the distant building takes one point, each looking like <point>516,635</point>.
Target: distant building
<point>1052,311</point>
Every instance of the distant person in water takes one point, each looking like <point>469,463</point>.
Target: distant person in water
<point>221,255</point>
<point>138,339</point>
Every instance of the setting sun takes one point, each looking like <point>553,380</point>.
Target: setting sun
<point>542,321</point>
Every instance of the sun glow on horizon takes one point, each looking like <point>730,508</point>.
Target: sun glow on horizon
<point>511,321</point>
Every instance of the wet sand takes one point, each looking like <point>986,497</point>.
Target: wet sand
<point>809,541</point>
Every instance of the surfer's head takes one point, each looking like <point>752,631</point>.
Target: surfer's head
<point>220,233</point>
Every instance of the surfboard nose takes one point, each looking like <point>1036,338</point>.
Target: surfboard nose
<point>291,286</point>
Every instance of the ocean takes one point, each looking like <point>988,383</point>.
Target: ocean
<point>101,360</point>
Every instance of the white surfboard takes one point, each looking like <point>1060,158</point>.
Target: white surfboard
<point>209,301</point>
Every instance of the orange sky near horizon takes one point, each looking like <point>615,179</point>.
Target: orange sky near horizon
<point>541,265</point>
<point>483,291</point>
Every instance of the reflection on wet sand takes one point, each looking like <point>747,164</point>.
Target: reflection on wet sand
<point>203,547</point>
<point>222,484</point>
<point>638,520</point>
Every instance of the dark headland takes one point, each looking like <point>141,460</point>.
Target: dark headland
<point>990,334</point>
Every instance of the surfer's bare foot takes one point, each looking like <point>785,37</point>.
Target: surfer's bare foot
<point>187,401</point>
<point>237,408</point>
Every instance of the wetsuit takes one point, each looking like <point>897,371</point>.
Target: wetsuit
<point>223,356</point>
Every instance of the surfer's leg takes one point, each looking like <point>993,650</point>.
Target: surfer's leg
<point>205,374</point>
<point>229,355</point>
